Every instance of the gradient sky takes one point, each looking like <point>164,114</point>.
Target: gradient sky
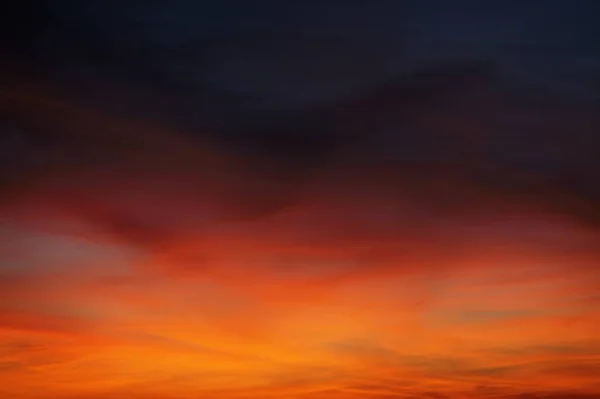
<point>300,200</point>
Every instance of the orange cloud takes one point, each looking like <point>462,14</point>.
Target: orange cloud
<point>121,283</point>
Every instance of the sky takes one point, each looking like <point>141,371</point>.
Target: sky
<point>300,200</point>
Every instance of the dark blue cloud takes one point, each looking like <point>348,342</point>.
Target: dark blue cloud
<point>285,82</point>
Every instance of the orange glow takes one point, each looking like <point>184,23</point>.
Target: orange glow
<point>264,320</point>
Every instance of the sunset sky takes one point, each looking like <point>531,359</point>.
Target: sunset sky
<point>300,200</point>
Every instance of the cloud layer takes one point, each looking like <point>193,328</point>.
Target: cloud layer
<point>434,235</point>
<point>127,277</point>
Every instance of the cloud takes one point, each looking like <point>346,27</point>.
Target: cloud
<point>147,259</point>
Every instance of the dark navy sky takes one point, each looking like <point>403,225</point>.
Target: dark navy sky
<point>272,79</point>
